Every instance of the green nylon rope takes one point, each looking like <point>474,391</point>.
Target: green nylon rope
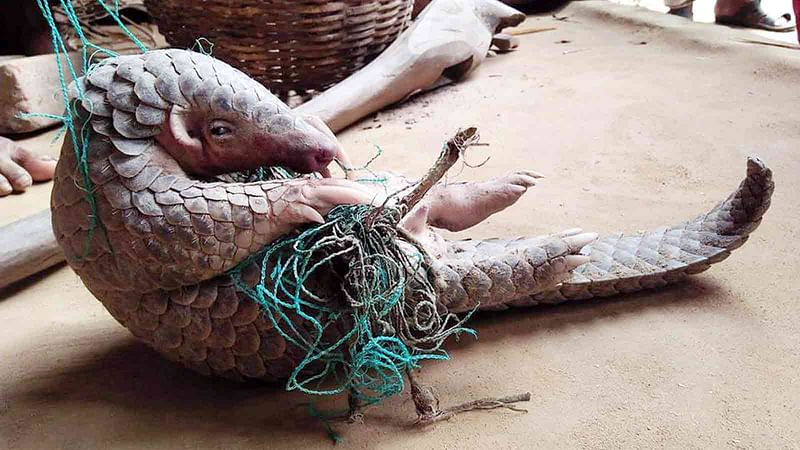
<point>79,135</point>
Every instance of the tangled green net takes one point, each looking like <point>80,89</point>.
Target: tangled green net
<point>78,133</point>
<point>374,314</point>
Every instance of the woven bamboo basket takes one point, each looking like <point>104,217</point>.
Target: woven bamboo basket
<point>102,31</point>
<point>288,45</point>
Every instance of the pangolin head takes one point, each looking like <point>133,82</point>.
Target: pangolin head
<point>210,117</point>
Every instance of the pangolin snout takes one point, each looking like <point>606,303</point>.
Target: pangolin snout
<point>311,153</point>
<point>305,148</point>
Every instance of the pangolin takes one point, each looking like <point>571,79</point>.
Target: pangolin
<point>162,128</point>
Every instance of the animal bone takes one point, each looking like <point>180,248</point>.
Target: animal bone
<point>449,39</point>
<point>158,263</point>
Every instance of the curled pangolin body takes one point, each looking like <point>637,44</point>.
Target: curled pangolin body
<point>158,262</point>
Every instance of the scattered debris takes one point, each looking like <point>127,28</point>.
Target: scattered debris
<point>564,19</point>
<point>769,43</point>
<point>529,30</point>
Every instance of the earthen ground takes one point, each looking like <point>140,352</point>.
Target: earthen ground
<point>638,120</point>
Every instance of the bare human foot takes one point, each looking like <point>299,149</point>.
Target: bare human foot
<point>19,167</point>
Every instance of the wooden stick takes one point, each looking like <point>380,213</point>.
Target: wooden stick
<point>27,246</point>
<point>529,30</point>
<point>450,154</point>
<point>427,403</point>
<point>474,405</point>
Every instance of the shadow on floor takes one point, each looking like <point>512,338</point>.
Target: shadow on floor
<point>139,388</point>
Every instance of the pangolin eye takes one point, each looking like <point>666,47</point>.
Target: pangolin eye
<point>220,128</point>
<point>219,131</point>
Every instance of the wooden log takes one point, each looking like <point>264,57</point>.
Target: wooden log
<point>27,246</point>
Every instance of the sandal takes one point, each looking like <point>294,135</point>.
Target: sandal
<point>683,11</point>
<point>752,16</point>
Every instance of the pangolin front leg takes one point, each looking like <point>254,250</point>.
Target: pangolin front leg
<point>458,206</point>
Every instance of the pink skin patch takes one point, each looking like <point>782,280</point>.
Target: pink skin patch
<point>300,152</point>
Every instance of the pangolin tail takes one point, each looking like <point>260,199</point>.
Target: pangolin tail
<point>498,274</point>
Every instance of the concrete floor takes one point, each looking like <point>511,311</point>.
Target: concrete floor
<point>638,119</point>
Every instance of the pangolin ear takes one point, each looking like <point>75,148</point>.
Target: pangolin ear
<point>182,132</point>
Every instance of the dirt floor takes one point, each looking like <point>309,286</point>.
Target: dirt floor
<point>638,119</point>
